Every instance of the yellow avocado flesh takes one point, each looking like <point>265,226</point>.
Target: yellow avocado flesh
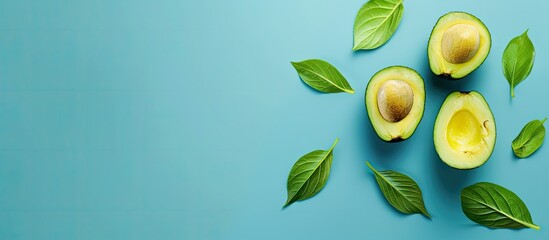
<point>465,130</point>
<point>395,100</point>
<point>459,44</point>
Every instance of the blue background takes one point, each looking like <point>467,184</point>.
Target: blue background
<point>124,119</point>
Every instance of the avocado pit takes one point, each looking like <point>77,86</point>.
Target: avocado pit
<point>395,99</point>
<point>460,43</point>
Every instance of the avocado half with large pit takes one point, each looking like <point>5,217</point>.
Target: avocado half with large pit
<point>465,130</point>
<point>395,100</point>
<point>458,45</point>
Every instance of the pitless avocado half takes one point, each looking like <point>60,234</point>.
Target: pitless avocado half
<point>395,100</point>
<point>465,130</point>
<point>459,44</point>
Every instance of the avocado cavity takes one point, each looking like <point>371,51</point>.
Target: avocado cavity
<point>463,132</point>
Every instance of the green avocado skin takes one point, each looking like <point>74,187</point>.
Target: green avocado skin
<point>398,139</point>
<point>448,76</point>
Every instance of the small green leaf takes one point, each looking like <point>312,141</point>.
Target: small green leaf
<point>494,206</point>
<point>518,60</point>
<point>401,191</point>
<point>309,174</point>
<point>375,23</point>
<point>322,76</point>
<point>529,139</point>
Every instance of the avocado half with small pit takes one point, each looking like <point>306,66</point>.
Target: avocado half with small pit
<point>395,100</point>
<point>465,130</point>
<point>458,45</point>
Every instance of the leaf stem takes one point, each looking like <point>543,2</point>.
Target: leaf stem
<point>349,91</point>
<point>370,166</point>
<point>333,145</point>
<point>532,226</point>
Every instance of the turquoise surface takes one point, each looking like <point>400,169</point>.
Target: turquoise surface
<point>167,119</point>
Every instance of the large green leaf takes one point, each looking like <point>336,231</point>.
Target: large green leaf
<point>518,60</point>
<point>495,206</point>
<point>401,191</point>
<point>322,76</point>
<point>309,174</point>
<point>529,139</point>
<point>375,23</point>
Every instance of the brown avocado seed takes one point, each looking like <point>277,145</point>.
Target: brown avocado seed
<point>460,43</point>
<point>395,99</point>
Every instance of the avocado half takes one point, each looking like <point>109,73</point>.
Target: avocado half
<point>395,100</point>
<point>459,44</point>
<point>465,130</point>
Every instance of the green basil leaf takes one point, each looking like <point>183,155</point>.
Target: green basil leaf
<point>322,76</point>
<point>375,23</point>
<point>494,206</point>
<point>401,191</point>
<point>309,174</point>
<point>518,60</point>
<point>529,139</point>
